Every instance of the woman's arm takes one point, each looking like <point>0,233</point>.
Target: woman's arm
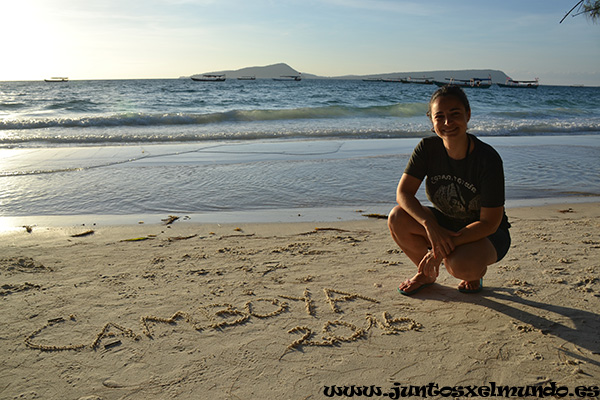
<point>489,221</point>
<point>406,198</point>
<point>441,239</point>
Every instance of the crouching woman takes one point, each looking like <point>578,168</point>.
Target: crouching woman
<point>467,228</point>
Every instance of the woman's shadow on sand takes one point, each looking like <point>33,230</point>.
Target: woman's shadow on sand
<point>583,334</point>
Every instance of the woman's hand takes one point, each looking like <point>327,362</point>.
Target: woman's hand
<point>430,265</point>
<point>441,240</point>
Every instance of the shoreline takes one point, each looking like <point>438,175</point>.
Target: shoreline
<point>283,310</point>
<point>291,215</point>
<point>345,174</point>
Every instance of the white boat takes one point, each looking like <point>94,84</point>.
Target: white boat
<point>284,78</point>
<point>419,81</point>
<point>481,83</point>
<point>57,79</point>
<point>209,78</point>
<point>510,83</point>
<point>397,80</point>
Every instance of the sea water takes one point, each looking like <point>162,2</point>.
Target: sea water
<point>140,147</point>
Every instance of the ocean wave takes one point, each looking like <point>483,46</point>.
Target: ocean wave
<point>525,127</point>
<point>126,137</point>
<point>148,119</point>
<point>12,106</point>
<point>543,114</point>
<point>176,137</point>
<point>75,105</point>
<point>392,121</point>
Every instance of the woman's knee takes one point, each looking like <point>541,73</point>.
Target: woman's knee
<point>469,262</point>
<point>393,215</point>
<point>397,218</point>
<point>467,271</point>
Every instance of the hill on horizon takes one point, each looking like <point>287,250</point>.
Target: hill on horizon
<point>281,69</point>
<point>264,72</point>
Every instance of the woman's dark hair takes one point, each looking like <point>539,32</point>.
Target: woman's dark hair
<point>449,91</point>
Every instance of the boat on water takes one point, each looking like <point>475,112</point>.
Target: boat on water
<point>247,78</point>
<point>481,83</point>
<point>57,79</point>
<point>510,83</point>
<point>397,80</point>
<point>209,78</point>
<point>418,81</point>
<point>284,78</point>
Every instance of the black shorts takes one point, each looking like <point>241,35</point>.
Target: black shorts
<point>500,239</point>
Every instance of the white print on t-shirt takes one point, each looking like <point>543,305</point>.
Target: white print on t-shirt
<point>456,179</point>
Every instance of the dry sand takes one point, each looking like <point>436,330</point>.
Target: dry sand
<point>279,311</point>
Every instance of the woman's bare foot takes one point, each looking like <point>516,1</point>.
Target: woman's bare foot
<point>414,284</point>
<point>470,286</point>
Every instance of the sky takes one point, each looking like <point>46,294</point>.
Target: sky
<point>126,39</point>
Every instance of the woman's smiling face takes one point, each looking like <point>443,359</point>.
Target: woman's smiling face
<point>449,117</point>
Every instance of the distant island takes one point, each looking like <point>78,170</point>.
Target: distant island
<point>266,72</point>
<point>282,69</point>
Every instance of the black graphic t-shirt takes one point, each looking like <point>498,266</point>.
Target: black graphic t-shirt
<point>459,188</point>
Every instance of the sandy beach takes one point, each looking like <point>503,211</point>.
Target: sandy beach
<point>287,310</point>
